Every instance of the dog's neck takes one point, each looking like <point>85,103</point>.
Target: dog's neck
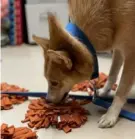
<point>93,17</point>
<point>75,31</point>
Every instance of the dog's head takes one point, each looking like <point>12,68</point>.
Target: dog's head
<point>67,61</point>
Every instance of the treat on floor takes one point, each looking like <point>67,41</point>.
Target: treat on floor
<point>11,132</point>
<point>88,84</point>
<point>65,116</point>
<point>7,100</point>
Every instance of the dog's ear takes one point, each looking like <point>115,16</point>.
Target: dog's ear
<point>43,42</point>
<point>60,57</point>
<point>56,35</point>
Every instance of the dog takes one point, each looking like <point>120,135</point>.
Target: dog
<point>109,25</point>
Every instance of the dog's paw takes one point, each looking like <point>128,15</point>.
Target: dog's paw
<point>107,121</point>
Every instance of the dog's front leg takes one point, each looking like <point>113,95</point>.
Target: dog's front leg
<point>114,71</point>
<point>127,79</point>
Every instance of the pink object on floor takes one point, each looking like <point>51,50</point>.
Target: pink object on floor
<point>4,8</point>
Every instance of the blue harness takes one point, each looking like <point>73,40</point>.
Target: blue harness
<point>76,32</point>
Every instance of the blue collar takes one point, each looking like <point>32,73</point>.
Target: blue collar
<point>77,32</point>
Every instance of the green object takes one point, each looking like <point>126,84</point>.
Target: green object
<point>5,25</point>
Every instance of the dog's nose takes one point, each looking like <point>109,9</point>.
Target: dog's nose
<point>51,98</point>
<point>48,98</point>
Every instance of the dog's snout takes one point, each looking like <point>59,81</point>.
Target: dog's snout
<point>52,98</point>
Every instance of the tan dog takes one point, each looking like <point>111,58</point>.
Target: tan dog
<point>109,25</point>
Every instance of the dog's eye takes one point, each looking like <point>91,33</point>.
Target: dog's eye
<point>54,83</point>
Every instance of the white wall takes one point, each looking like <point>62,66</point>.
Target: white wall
<point>44,1</point>
<point>36,16</point>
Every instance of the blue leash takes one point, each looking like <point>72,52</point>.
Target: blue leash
<point>124,113</point>
<point>104,102</point>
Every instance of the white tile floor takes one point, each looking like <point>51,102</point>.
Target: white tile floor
<point>24,66</point>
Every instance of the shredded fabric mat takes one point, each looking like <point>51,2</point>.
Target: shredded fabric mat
<point>7,101</point>
<point>64,116</point>
<point>10,132</point>
<point>41,114</point>
<point>88,84</point>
